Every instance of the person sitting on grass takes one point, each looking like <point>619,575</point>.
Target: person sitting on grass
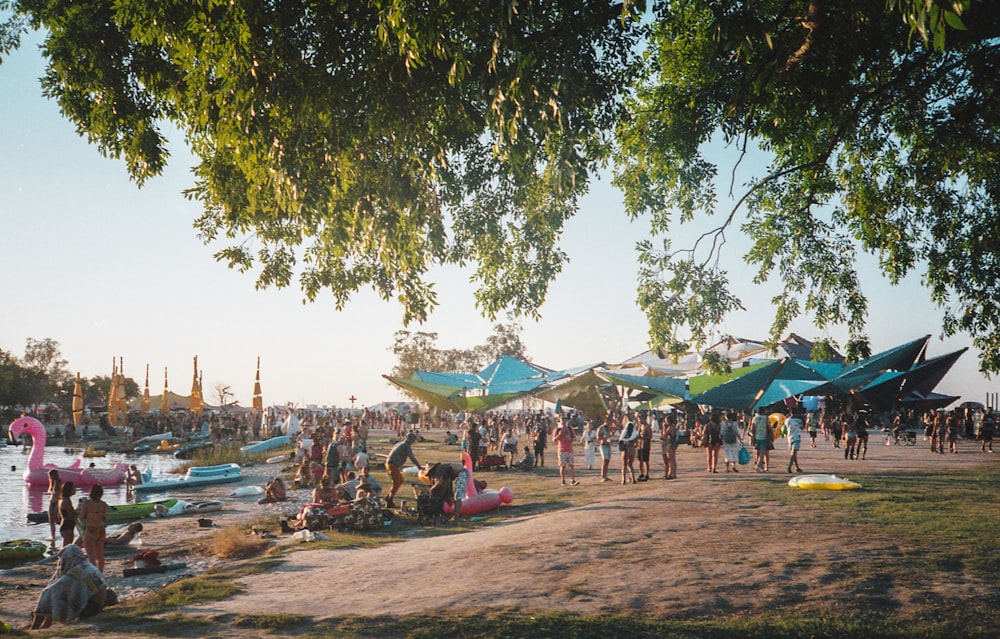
<point>274,491</point>
<point>77,589</point>
<point>527,462</point>
<point>324,493</point>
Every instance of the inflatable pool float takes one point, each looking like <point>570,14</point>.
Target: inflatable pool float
<point>417,472</point>
<point>166,446</point>
<point>187,450</point>
<point>181,507</point>
<point>277,459</point>
<point>117,514</point>
<point>266,445</point>
<point>247,491</point>
<point>37,473</point>
<point>93,452</point>
<point>196,476</point>
<point>822,482</point>
<point>21,549</point>
<point>477,502</point>
<point>141,448</point>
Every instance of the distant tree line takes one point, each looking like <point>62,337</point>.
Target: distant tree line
<point>41,377</point>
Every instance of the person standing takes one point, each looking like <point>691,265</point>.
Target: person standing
<point>986,431</point>
<point>55,492</point>
<point>626,444</point>
<point>668,445</point>
<point>644,447</point>
<point>563,436</point>
<point>94,514</point>
<point>604,442</point>
<point>732,442</point>
<point>793,430</point>
<point>449,472</point>
<point>850,437</point>
<point>762,440</point>
<point>67,513</point>
<point>540,441</point>
<point>861,432</point>
<point>589,439</point>
<point>711,439</point>
<point>331,459</point>
<point>812,424</point>
<point>508,444</point>
<point>393,465</point>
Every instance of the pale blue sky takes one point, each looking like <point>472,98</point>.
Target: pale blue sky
<point>107,270</point>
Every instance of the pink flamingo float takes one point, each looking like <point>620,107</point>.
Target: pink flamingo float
<point>38,473</point>
<point>476,501</point>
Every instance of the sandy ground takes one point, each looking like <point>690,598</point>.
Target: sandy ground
<point>685,547</point>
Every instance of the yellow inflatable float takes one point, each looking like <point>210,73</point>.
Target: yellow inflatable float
<point>822,482</point>
<point>93,452</point>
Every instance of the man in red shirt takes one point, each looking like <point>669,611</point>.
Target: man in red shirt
<point>563,436</point>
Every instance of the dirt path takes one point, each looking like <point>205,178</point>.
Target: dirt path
<point>683,547</point>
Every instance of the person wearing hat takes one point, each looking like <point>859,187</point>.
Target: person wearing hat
<point>393,465</point>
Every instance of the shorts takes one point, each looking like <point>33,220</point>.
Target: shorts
<point>394,473</point>
<point>566,458</point>
<point>510,448</point>
<point>605,451</point>
<point>462,484</point>
<point>761,444</point>
<point>794,444</point>
<point>643,454</point>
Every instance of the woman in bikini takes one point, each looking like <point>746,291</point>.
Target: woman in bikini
<point>54,491</point>
<point>67,514</point>
<point>94,515</point>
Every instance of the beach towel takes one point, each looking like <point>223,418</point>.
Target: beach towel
<point>75,584</point>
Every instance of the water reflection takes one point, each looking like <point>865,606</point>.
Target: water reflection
<point>17,498</point>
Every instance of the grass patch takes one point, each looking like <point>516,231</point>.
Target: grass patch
<point>274,623</point>
<point>558,625</point>
<point>237,542</point>
<point>940,522</point>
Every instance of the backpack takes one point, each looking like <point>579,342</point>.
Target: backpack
<point>728,433</point>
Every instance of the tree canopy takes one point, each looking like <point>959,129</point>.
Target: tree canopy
<point>419,351</point>
<point>359,144</point>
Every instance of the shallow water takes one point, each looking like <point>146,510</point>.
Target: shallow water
<point>17,498</point>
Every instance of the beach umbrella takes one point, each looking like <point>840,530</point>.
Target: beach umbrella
<point>77,401</point>
<point>144,407</point>
<point>258,399</point>
<point>194,402</point>
<point>165,401</point>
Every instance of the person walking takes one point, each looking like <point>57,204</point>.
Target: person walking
<point>563,436</point>
<point>711,439</point>
<point>986,431</point>
<point>393,465</point>
<point>762,437</point>
<point>793,431</point>
<point>732,442</point>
